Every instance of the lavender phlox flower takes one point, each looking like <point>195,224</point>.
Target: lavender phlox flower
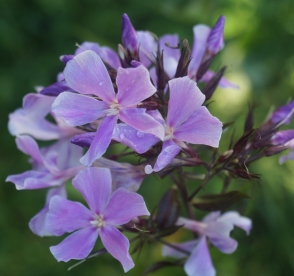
<point>52,166</point>
<point>123,174</point>
<point>187,121</point>
<point>37,223</point>
<point>216,228</point>
<point>107,212</point>
<point>87,75</point>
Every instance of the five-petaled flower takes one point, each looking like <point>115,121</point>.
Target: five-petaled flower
<point>107,211</point>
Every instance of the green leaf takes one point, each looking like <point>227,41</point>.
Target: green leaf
<point>215,202</point>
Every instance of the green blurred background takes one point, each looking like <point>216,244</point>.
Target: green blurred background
<point>259,52</point>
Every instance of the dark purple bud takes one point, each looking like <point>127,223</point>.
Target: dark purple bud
<point>66,58</point>
<point>135,63</point>
<point>56,88</point>
<point>282,137</point>
<point>274,150</point>
<point>184,61</point>
<point>215,41</point>
<point>245,174</point>
<point>211,86</point>
<point>203,68</point>
<point>283,114</point>
<point>168,209</point>
<point>83,140</point>
<point>129,35</point>
<point>249,122</point>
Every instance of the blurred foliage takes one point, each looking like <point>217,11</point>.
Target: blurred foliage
<point>259,53</point>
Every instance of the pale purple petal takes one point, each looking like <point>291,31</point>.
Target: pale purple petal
<point>95,186</point>
<point>139,141</point>
<point>31,180</point>
<point>31,118</point>
<point>200,128</point>
<point>77,246</point>
<point>193,225</point>
<point>29,146</point>
<point>123,175</point>
<point>101,141</point>
<point>156,115</point>
<point>107,54</point>
<point>168,52</point>
<point>215,41</point>
<point>117,245</point>
<point>66,216</point>
<point>134,86</point>
<point>211,217</point>
<point>199,263</point>
<point>140,120</point>
<point>201,33</point>
<point>170,66</point>
<point>77,109</point>
<point>129,34</point>
<point>169,150</point>
<point>224,83</point>
<point>124,206</point>
<point>37,223</point>
<point>147,47</point>
<point>110,57</point>
<point>188,246</point>
<point>87,74</point>
<point>219,234</point>
<point>237,220</point>
<point>185,97</point>
<point>289,156</point>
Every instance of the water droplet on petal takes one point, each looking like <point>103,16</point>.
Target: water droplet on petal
<point>140,134</point>
<point>101,83</point>
<point>121,136</point>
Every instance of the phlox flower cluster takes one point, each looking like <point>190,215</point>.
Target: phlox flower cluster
<point>145,96</point>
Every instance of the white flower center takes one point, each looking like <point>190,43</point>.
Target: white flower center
<point>113,110</point>
<point>98,221</point>
<point>169,133</point>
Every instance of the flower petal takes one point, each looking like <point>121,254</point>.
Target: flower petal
<point>87,74</point>
<point>169,150</point>
<point>134,85</point>
<point>117,245</point>
<point>140,120</point>
<point>200,128</point>
<point>124,206</point>
<point>147,47</point>
<point>215,40</point>
<point>76,109</point>
<point>237,220</point>
<point>139,141</point>
<point>66,216</point>
<point>188,246</point>
<point>101,141</point>
<point>95,186</point>
<point>56,88</point>
<point>77,246</point>
<point>201,33</point>
<point>37,223</point>
<point>199,263</point>
<point>185,97</point>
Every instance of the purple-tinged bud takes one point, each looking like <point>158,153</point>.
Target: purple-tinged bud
<point>56,88</point>
<point>215,41</point>
<point>283,114</point>
<point>129,35</point>
<point>83,140</point>
<point>66,58</point>
<point>282,137</point>
<point>135,63</point>
<point>274,150</point>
